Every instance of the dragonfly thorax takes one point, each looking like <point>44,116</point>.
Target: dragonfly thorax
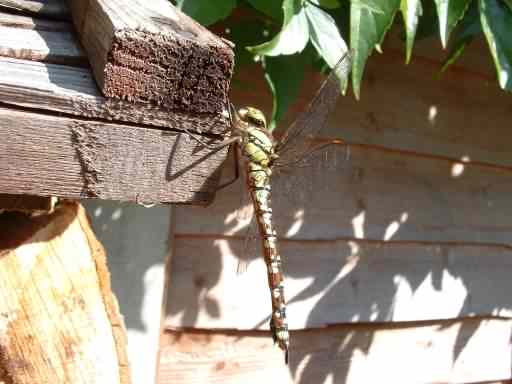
<point>257,142</point>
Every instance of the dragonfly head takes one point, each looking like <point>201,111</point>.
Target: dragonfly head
<point>253,116</point>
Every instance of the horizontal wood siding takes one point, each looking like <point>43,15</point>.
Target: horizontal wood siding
<point>411,222</point>
<point>438,352</point>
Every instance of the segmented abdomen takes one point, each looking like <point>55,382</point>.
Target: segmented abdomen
<point>258,177</point>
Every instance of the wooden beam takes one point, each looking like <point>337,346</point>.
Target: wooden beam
<point>49,155</point>
<point>55,9</point>
<point>72,91</point>
<point>151,52</point>
<point>60,319</point>
<point>59,47</point>
<point>28,204</point>
<point>435,352</point>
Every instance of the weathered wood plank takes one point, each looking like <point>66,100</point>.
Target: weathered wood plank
<point>55,9</point>
<point>60,320</point>
<point>331,282</point>
<point>371,193</point>
<point>438,352</point>
<point>25,203</point>
<point>150,52</point>
<point>73,91</point>
<point>41,45</point>
<point>18,21</point>
<point>57,156</point>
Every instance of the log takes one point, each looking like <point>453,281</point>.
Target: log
<point>150,52</point>
<point>434,352</point>
<point>47,155</point>
<point>72,90</point>
<point>60,320</point>
<point>54,9</point>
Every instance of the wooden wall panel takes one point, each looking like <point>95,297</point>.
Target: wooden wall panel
<point>366,192</point>
<point>439,352</point>
<point>332,282</point>
<point>413,223</point>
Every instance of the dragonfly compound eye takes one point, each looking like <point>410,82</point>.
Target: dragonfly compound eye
<point>253,116</point>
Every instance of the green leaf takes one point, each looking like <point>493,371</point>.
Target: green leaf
<point>284,75</point>
<point>411,11</point>
<point>468,29</point>
<point>326,4</point>
<point>496,21</point>
<point>272,8</point>
<point>449,13</point>
<point>369,21</point>
<point>509,3</point>
<point>207,12</point>
<point>325,36</point>
<point>293,36</point>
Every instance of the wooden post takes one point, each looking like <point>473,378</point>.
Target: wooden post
<point>59,321</point>
<point>151,52</point>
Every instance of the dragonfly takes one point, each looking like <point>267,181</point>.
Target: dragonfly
<point>264,156</point>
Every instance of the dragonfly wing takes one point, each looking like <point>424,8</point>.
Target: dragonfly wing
<point>297,141</point>
<point>250,250</point>
<point>304,192</point>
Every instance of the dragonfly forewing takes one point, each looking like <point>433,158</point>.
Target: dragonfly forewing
<point>301,137</point>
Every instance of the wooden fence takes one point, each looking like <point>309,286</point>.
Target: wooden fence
<point>397,270</point>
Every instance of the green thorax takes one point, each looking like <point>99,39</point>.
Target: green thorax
<point>257,142</point>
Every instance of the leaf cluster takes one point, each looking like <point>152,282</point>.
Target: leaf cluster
<point>289,35</point>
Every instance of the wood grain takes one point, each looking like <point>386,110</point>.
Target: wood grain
<point>41,45</point>
<point>60,320</point>
<point>55,9</point>
<point>18,21</point>
<point>151,52</point>
<point>72,90</point>
<point>437,352</point>
<point>332,282</point>
<point>49,155</point>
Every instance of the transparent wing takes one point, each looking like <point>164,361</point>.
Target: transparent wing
<point>297,141</point>
<point>250,249</point>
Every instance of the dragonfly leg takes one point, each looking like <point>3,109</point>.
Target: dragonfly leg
<point>235,177</point>
<point>216,146</point>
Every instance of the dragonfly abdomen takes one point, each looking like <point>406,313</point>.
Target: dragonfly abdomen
<point>258,177</point>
